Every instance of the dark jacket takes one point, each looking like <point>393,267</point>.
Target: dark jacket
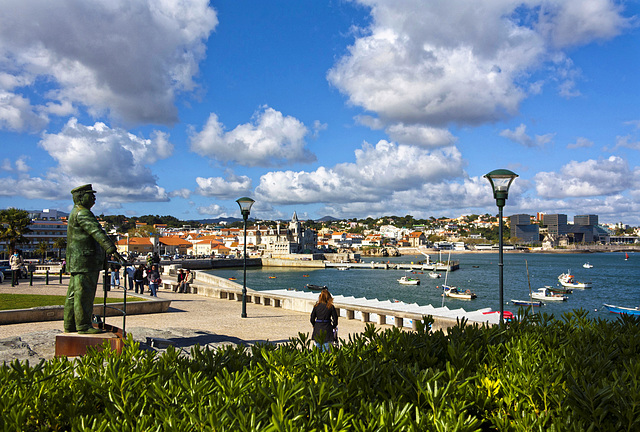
<point>323,320</point>
<point>138,275</point>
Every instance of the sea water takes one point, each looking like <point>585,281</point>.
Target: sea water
<point>615,280</point>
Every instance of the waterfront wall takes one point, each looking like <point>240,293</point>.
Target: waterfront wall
<point>214,286</point>
<point>279,262</point>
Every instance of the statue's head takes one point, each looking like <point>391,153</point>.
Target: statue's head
<point>84,195</point>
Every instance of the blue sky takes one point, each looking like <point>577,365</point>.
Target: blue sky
<point>345,108</point>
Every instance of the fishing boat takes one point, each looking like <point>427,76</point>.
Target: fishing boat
<point>546,295</point>
<point>622,310</point>
<point>560,290</point>
<point>434,275</point>
<point>567,280</point>
<point>587,265</point>
<point>527,302</point>
<point>406,280</point>
<point>312,287</point>
<point>454,292</point>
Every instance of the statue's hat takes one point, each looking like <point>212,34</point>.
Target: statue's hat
<point>82,189</point>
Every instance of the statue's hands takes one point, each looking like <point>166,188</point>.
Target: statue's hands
<point>119,258</point>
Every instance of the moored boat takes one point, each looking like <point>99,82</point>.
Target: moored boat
<point>559,290</point>
<point>434,275</point>
<point>454,292</point>
<point>406,280</point>
<point>587,265</point>
<point>544,294</point>
<point>622,310</point>
<point>567,280</point>
<point>313,287</point>
<point>527,302</point>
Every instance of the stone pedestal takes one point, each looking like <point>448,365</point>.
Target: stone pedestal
<point>74,344</point>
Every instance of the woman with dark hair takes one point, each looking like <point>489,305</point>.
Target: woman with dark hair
<point>154,280</point>
<point>324,319</point>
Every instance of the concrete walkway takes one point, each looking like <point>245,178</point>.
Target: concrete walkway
<point>190,319</point>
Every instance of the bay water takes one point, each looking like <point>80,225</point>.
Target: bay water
<point>615,280</point>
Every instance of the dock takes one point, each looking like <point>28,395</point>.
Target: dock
<point>435,266</point>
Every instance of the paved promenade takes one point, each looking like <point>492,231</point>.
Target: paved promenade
<point>190,319</point>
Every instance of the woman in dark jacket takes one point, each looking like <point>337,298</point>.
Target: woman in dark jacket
<point>324,319</point>
<point>138,278</point>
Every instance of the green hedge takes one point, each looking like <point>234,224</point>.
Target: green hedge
<point>567,374</point>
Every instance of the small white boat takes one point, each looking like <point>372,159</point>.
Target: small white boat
<point>567,280</point>
<point>405,280</point>
<point>587,265</point>
<point>434,275</point>
<point>545,294</point>
<point>343,268</point>
<point>454,292</point>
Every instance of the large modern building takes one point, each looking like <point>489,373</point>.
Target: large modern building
<point>585,228</point>
<point>523,229</point>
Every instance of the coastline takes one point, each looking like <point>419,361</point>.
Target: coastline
<point>589,250</point>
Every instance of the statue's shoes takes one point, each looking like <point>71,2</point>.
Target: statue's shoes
<point>92,330</point>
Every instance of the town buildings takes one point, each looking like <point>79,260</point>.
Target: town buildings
<point>282,239</point>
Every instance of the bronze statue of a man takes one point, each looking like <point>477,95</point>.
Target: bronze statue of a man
<point>87,248</point>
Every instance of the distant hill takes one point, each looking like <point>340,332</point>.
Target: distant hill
<point>327,219</point>
<point>216,221</point>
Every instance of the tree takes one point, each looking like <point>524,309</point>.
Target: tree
<point>14,224</point>
<point>60,243</point>
<point>143,231</point>
<point>43,248</point>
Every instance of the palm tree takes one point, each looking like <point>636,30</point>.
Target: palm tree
<point>60,243</point>
<point>43,248</point>
<point>14,224</point>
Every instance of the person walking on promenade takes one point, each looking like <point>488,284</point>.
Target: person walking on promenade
<point>129,271</point>
<point>154,280</point>
<point>138,278</point>
<point>15,261</point>
<point>324,319</point>
<point>115,272</point>
<point>186,282</point>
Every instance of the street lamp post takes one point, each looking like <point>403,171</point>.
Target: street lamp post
<point>500,180</point>
<point>245,204</point>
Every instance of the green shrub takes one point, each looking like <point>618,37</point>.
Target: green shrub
<point>567,374</point>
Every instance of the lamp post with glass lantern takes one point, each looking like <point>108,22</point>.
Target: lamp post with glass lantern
<point>245,204</point>
<point>500,180</point>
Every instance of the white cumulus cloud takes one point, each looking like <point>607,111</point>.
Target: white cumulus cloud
<point>519,135</point>
<point>588,178</point>
<point>271,139</point>
<point>115,161</point>
<point>465,62</point>
<point>123,58</point>
<point>231,187</point>
<point>378,171</point>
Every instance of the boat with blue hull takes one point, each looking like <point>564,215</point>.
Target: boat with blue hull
<point>622,310</point>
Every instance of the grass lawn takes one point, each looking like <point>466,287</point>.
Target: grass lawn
<point>26,301</point>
